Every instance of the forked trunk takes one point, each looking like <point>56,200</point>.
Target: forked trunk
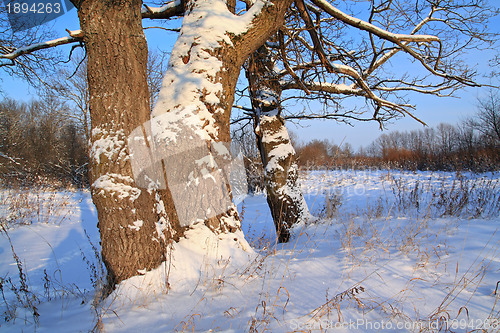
<point>155,178</point>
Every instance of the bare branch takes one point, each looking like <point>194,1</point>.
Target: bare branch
<point>163,28</point>
<point>244,108</point>
<point>287,65</point>
<point>398,39</point>
<point>169,10</point>
<point>74,37</point>
<point>363,25</point>
<point>318,47</point>
<point>386,56</point>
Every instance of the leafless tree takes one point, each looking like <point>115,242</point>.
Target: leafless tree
<point>284,196</point>
<point>487,118</point>
<point>70,84</point>
<point>311,59</point>
<point>40,139</point>
<point>11,135</point>
<point>156,70</point>
<point>316,59</point>
<point>447,135</point>
<point>197,93</point>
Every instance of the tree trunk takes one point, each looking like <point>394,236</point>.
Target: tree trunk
<point>154,178</point>
<point>284,195</point>
<point>193,109</point>
<point>133,229</point>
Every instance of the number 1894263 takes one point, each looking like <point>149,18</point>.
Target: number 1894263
<point>33,8</point>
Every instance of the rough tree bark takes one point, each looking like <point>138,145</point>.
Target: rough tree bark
<point>132,229</point>
<point>284,196</point>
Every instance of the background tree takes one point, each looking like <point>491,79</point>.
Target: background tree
<point>39,139</point>
<point>487,119</point>
<point>70,84</point>
<point>315,153</point>
<point>243,140</point>
<point>283,192</point>
<point>11,134</point>
<point>310,59</point>
<point>157,61</point>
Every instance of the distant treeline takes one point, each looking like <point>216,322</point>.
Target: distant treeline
<point>473,144</point>
<point>445,147</point>
<point>45,140</point>
<point>41,141</point>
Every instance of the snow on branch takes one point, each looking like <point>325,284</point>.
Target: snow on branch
<point>389,54</point>
<point>351,72</point>
<point>400,40</point>
<point>363,25</point>
<point>331,88</point>
<point>74,37</point>
<point>436,91</point>
<point>170,9</point>
<point>360,88</point>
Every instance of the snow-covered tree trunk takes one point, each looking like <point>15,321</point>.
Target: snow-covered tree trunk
<point>190,122</point>
<point>284,195</point>
<point>131,223</point>
<point>155,177</point>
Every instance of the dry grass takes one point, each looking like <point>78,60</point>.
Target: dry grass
<point>402,220</point>
<point>38,204</point>
<point>25,298</point>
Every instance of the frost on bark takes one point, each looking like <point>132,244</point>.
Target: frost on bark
<point>133,221</point>
<point>284,196</point>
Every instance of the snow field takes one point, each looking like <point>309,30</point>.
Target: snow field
<point>393,251</point>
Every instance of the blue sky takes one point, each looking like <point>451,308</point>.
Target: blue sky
<point>432,110</point>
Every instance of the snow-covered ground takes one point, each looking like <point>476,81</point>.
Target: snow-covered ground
<point>393,251</point>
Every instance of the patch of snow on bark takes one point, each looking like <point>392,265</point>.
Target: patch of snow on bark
<point>117,186</point>
<point>191,80</point>
<point>136,225</point>
<point>277,155</point>
<point>278,136</point>
<point>107,143</point>
<point>162,223</point>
